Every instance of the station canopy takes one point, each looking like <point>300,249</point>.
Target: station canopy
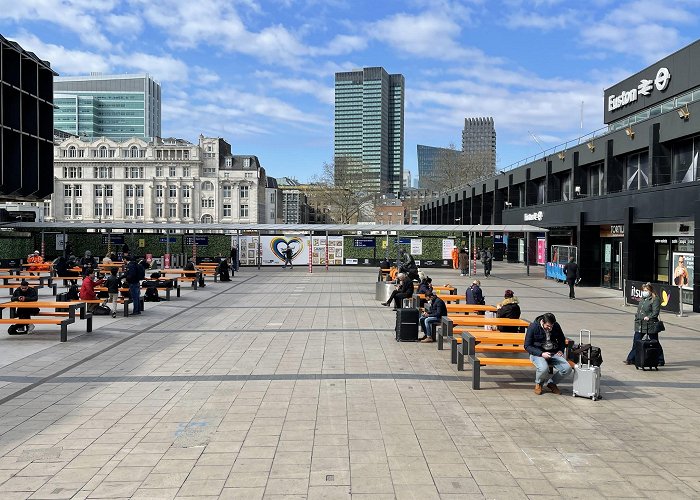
<point>157,227</point>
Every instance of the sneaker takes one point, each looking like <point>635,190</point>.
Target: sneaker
<point>30,328</point>
<point>553,387</point>
<point>114,314</point>
<point>627,362</point>
<point>428,340</point>
<point>538,389</point>
<point>386,304</point>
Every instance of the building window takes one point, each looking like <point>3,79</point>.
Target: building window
<point>637,171</point>
<point>139,210</point>
<point>229,162</point>
<point>185,191</point>
<point>159,171</point>
<point>103,152</point>
<point>172,210</point>
<point>67,209</point>
<point>207,186</point>
<point>246,162</point>
<point>186,170</point>
<point>159,191</point>
<point>249,175</point>
<point>139,190</point>
<point>109,210</point>
<point>129,210</point>
<point>109,191</point>
<point>685,161</point>
<point>78,209</point>
<point>186,210</point>
<point>186,156</point>
<point>134,152</point>
<point>172,191</point>
<point>207,202</point>
<point>102,172</point>
<point>98,210</point>
<point>596,179</point>
<point>99,190</point>
<point>129,191</point>
<point>73,172</point>
<point>134,172</point>
<point>244,191</point>
<point>226,191</point>
<point>47,209</point>
<point>244,211</point>
<point>227,210</point>
<point>159,210</point>
<point>72,152</point>
<point>172,171</point>
<point>67,190</point>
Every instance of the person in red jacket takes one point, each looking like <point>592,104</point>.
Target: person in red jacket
<point>87,289</point>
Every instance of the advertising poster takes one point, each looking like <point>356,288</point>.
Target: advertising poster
<point>541,251</point>
<point>683,270</point>
<point>669,295</point>
<point>273,248</point>
<point>416,246</point>
<point>447,246</point>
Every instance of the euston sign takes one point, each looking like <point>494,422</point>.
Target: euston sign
<point>538,216</point>
<point>645,87</point>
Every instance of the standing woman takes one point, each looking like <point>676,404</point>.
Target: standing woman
<point>648,312</point>
<point>463,262</point>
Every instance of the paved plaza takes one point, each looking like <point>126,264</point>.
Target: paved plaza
<point>285,384</point>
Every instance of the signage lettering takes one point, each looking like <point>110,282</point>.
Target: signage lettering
<point>538,216</point>
<point>645,87</point>
<point>617,229</point>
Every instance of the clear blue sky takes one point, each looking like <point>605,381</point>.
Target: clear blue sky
<point>260,73</point>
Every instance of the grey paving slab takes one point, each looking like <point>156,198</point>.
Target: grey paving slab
<point>240,390</point>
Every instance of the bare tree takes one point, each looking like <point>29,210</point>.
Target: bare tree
<point>453,169</point>
<point>340,189</point>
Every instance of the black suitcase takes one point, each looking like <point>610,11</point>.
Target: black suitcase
<point>646,353</point>
<point>407,325</point>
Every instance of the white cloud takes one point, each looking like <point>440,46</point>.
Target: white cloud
<point>63,60</point>
<point>162,68</point>
<point>323,93</point>
<point>539,21</point>
<point>124,25</point>
<point>74,16</point>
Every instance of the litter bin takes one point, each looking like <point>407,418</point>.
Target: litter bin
<point>383,291</point>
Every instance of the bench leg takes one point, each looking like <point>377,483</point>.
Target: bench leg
<point>178,290</point>
<point>53,288</point>
<point>64,333</point>
<point>453,350</point>
<point>439,340</point>
<point>476,374</point>
<point>460,357</point>
<point>126,308</point>
<point>89,322</point>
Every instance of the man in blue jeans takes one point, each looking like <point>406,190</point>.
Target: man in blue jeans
<point>545,341</point>
<point>432,317</point>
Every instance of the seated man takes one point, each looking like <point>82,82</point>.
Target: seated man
<point>438,309</point>
<point>403,290</point>
<point>24,293</point>
<point>545,341</point>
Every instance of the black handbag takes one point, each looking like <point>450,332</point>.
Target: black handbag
<point>653,326</point>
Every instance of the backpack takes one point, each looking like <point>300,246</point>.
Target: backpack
<point>101,311</point>
<point>151,294</point>
<point>73,293</point>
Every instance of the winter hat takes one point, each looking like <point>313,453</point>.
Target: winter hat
<point>508,294</point>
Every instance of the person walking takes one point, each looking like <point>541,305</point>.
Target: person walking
<point>571,272</point>
<point>647,314</point>
<point>463,262</point>
<point>487,261</point>
<point>288,255</point>
<point>455,258</point>
<point>234,258</point>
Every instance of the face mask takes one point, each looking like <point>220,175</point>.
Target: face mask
<point>646,293</point>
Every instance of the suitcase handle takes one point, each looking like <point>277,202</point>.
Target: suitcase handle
<point>580,341</point>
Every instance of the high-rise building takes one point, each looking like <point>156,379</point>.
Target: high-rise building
<point>479,141</point>
<point>369,121</point>
<point>429,160</point>
<point>26,125</point>
<point>116,107</point>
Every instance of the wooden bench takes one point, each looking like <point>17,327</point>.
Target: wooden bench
<point>55,316</point>
<point>100,302</point>
<point>447,298</point>
<point>165,289</point>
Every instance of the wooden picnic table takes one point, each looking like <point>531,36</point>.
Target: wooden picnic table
<point>447,298</point>
<point>465,320</point>
<point>445,288</point>
<point>59,317</point>
<point>469,308</point>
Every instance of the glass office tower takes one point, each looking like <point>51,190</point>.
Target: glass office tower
<point>117,106</point>
<point>369,122</point>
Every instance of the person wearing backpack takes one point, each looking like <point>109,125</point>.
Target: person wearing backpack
<point>112,283</point>
<point>133,278</point>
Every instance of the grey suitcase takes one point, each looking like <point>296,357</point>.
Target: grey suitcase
<point>586,377</point>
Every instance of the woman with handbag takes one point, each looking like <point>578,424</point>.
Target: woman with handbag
<point>646,321</point>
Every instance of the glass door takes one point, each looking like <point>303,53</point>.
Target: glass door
<point>611,265</point>
<point>606,264</point>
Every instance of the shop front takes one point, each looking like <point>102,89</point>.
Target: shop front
<point>611,241</point>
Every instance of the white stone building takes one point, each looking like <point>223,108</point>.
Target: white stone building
<point>165,180</point>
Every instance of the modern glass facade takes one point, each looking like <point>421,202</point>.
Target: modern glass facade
<point>369,123</point>
<point>428,158</point>
<point>116,107</point>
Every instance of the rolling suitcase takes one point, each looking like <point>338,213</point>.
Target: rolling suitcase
<point>586,377</point>
<point>646,353</point>
<point>407,325</point>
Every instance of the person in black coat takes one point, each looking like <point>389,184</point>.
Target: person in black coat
<point>234,258</point>
<point>438,309</point>
<point>474,294</point>
<point>223,270</point>
<point>24,293</point>
<point>545,342</point>
<point>508,308</point>
<point>403,290</point>
<point>571,272</point>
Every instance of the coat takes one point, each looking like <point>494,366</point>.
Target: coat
<point>647,307</point>
<point>87,289</point>
<point>438,309</point>
<point>475,295</point>
<point>463,261</point>
<point>571,271</point>
<point>535,336</point>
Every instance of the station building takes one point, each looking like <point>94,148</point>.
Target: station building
<point>625,202</point>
